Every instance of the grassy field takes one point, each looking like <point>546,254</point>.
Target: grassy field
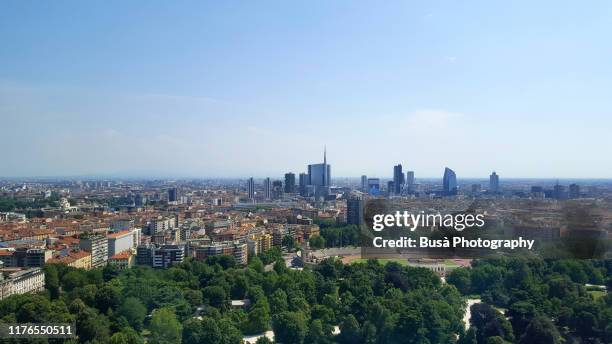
<point>447,262</point>
<point>382,261</point>
<point>450,264</point>
<point>597,293</point>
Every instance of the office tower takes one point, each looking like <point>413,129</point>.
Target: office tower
<point>374,186</point>
<point>364,183</point>
<point>390,188</point>
<point>354,211</point>
<point>574,191</point>
<point>410,180</point>
<point>267,188</point>
<point>320,174</point>
<point>449,182</point>
<point>398,179</point>
<point>289,182</point>
<point>138,200</point>
<point>251,188</point>
<point>559,192</point>
<point>537,189</point>
<point>494,182</point>
<point>303,183</point>
<point>277,189</point>
<point>172,195</point>
<point>476,188</point>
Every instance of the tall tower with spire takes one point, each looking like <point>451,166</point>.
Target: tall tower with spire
<point>325,168</point>
<point>320,174</point>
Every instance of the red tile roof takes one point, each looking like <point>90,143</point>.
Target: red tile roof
<point>119,234</point>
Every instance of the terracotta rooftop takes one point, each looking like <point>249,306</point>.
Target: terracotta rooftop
<point>119,234</point>
<point>122,255</point>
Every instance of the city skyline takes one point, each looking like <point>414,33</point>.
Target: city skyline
<point>321,172</point>
<point>306,172</point>
<point>221,90</point>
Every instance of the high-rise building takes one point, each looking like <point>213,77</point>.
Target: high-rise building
<point>354,211</point>
<point>410,180</point>
<point>374,186</point>
<point>364,183</point>
<point>398,179</point>
<point>449,182</point>
<point>320,174</point>
<point>390,187</point>
<point>119,242</point>
<point>173,195</point>
<point>574,191</point>
<point>303,183</point>
<point>277,189</point>
<point>139,200</point>
<point>476,188</point>
<point>494,182</point>
<point>537,189</point>
<point>559,192</point>
<point>289,182</point>
<point>267,188</point>
<point>251,188</point>
<point>97,245</point>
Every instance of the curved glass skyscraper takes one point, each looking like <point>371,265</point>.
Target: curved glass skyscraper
<point>449,182</point>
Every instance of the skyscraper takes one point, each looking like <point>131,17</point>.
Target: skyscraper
<point>267,188</point>
<point>559,192</point>
<point>354,211</point>
<point>374,186</point>
<point>494,182</point>
<point>364,183</point>
<point>277,189</point>
<point>398,179</point>
<point>303,183</point>
<point>410,181</point>
<point>390,188</point>
<point>251,188</point>
<point>172,195</point>
<point>289,182</point>
<point>139,200</point>
<point>449,182</point>
<point>320,174</point>
<point>574,191</point>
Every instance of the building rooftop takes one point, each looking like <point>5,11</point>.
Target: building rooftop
<point>122,255</point>
<point>119,234</point>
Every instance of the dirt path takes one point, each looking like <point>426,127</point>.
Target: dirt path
<point>468,313</point>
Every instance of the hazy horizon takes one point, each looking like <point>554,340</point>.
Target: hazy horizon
<point>239,89</point>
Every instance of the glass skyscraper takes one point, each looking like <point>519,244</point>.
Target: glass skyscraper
<point>449,182</point>
<point>320,174</point>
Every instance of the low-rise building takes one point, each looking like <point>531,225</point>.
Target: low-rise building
<point>79,260</point>
<point>162,256</point>
<point>21,281</point>
<point>25,257</point>
<point>259,243</point>
<point>236,249</point>
<point>123,260</point>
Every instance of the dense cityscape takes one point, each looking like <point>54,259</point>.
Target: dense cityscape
<point>52,227</point>
<point>305,172</point>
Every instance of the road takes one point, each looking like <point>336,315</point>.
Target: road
<point>468,312</point>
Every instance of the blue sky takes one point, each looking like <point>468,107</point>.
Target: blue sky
<point>257,88</point>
